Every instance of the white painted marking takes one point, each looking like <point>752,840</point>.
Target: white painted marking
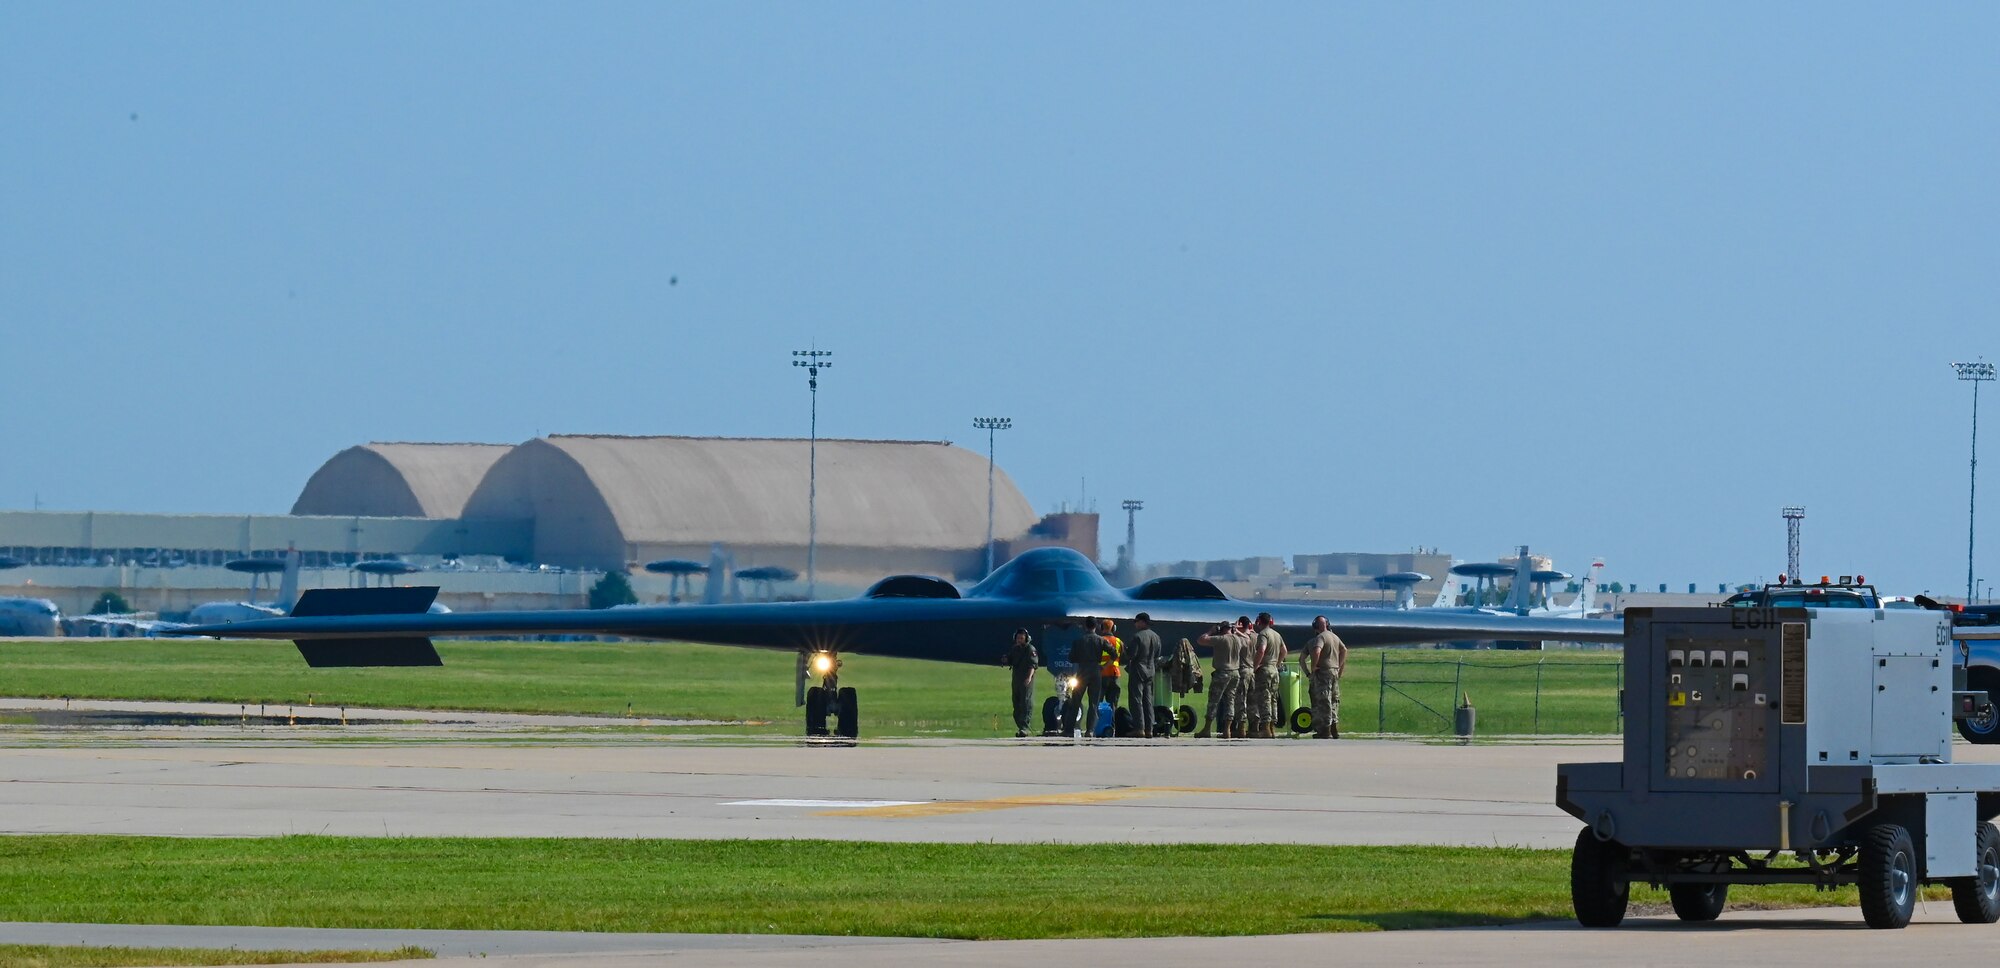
<point>821,803</point>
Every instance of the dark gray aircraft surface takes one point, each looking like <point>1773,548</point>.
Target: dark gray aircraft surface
<point>909,616</point>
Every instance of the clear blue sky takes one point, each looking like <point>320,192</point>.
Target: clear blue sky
<point>1608,279</point>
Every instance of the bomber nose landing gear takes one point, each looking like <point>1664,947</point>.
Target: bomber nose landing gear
<point>829,699</point>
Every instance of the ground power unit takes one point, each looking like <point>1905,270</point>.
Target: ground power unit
<point>1786,745</point>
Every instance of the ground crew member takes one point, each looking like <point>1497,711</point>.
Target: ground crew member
<point>1270,653</point>
<point>1245,669</point>
<point>1324,658</point>
<point>1108,659</point>
<point>1084,696</point>
<point>1021,660</point>
<point>1224,655</point>
<point>1142,661</point>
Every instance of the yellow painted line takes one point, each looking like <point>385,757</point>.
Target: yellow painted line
<point>941,808</point>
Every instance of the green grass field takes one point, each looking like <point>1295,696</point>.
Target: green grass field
<point>75,956</point>
<point>792,887</point>
<point>900,697</point>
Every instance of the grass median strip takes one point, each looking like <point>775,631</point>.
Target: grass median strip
<point>1571,693</point>
<point>791,887</point>
<point>75,956</point>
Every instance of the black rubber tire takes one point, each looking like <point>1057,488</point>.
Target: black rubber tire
<point>1985,729</point>
<point>1977,898</point>
<point>1302,719</point>
<point>1888,876</point>
<point>1598,888</point>
<point>1121,722</point>
<point>816,711</point>
<point>1051,716</point>
<point>1698,902</point>
<point>847,718</point>
<point>1184,719</point>
<point>1163,721</point>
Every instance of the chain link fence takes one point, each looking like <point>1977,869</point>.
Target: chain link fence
<point>1417,694</point>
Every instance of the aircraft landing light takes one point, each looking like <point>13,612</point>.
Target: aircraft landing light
<point>938,808</point>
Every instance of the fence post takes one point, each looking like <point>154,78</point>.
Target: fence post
<point>1457,682</point>
<point>1538,695</point>
<point>1382,697</point>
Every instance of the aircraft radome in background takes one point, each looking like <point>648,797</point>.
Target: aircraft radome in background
<point>907,616</point>
<point>1529,595</point>
<point>37,617</point>
<point>259,569</point>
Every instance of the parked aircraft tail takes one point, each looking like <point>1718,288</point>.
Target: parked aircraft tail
<point>1586,595</point>
<point>1448,592</point>
<point>1519,597</point>
<point>288,586</point>
<point>721,575</point>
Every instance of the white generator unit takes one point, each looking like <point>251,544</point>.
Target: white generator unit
<point>1786,745</point>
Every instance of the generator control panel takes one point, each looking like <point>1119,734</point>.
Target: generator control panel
<point>1718,703</point>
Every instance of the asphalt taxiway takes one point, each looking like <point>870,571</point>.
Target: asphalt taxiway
<point>437,779</point>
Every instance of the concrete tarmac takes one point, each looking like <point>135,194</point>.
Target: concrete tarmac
<point>1829,937</point>
<point>273,781</point>
<point>1342,792</point>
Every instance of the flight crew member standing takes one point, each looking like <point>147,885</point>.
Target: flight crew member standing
<point>1246,641</point>
<point>1324,658</point>
<point>1142,661</point>
<point>1223,652</point>
<point>1270,653</point>
<point>1021,660</point>
<point>1084,653</point>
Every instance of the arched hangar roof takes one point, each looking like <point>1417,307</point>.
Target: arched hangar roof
<point>591,493</point>
<point>399,480</point>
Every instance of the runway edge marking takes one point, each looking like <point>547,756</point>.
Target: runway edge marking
<point>938,808</point>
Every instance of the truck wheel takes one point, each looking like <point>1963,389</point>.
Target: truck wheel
<point>1598,890</point>
<point>1184,719</point>
<point>1698,902</point>
<point>815,711</point>
<point>1888,876</point>
<point>1985,728</point>
<point>1977,898</point>
<point>1302,720</point>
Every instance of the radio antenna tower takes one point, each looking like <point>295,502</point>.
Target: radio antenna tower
<point>1793,515</point>
<point>1132,509</point>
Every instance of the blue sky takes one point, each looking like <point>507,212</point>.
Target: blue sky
<point>1611,280</point>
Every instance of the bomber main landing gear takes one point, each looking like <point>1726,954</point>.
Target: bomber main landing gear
<point>829,699</point>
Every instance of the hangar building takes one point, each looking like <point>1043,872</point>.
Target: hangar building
<point>600,502</point>
<point>398,480</point>
<point>511,525</point>
<point>604,502</point>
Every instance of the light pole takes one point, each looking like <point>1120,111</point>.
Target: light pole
<point>992,425</point>
<point>1132,509</point>
<point>1974,373</point>
<point>814,360</point>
